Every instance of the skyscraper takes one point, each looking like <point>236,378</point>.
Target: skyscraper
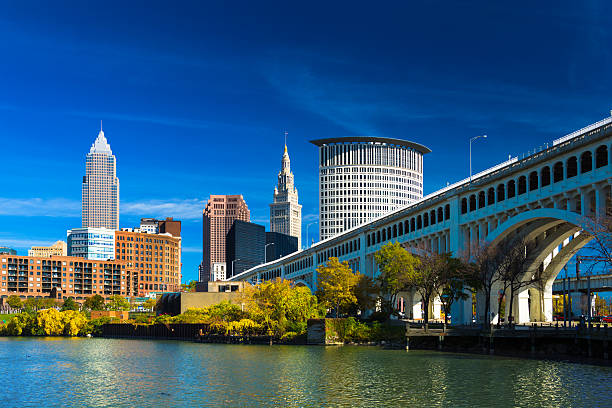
<point>100,191</point>
<point>285,211</point>
<point>363,177</point>
<point>219,215</point>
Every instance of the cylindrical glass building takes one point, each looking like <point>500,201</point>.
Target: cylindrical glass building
<point>361,178</point>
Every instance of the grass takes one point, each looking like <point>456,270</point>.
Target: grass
<point>6,317</point>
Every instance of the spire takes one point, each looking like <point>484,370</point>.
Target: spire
<point>286,141</point>
<point>100,145</point>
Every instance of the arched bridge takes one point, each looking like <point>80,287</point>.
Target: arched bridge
<point>544,197</point>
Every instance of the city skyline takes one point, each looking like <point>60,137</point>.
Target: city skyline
<point>168,100</point>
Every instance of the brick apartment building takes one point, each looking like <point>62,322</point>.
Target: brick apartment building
<point>62,276</point>
<point>154,261</point>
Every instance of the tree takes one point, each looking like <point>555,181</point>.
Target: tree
<point>96,302</point>
<point>14,302</point>
<point>430,276</point>
<point>487,259</point>
<point>150,303</point>
<point>455,286</point>
<point>117,302</point>
<point>335,284</point>
<point>70,304</point>
<point>366,292</point>
<point>516,271</point>
<point>188,287</point>
<point>396,266</point>
<point>40,303</point>
<point>278,305</point>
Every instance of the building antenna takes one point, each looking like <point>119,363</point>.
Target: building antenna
<point>100,125</point>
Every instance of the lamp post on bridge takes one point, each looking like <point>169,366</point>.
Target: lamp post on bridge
<point>308,226</point>
<point>471,140</point>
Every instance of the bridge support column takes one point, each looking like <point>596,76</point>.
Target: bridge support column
<point>521,307</point>
<point>578,304</point>
<point>461,311</point>
<point>414,302</point>
<point>435,308</point>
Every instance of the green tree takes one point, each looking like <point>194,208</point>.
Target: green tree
<point>430,276</point>
<point>396,267</point>
<point>456,285</point>
<point>70,304</point>
<point>335,285</point>
<point>95,302</point>
<point>277,305</point>
<point>188,287</point>
<point>367,292</point>
<point>117,302</point>
<point>14,302</point>
<point>150,303</point>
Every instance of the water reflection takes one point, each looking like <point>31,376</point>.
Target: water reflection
<point>128,373</point>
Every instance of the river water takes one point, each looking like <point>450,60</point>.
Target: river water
<point>58,372</point>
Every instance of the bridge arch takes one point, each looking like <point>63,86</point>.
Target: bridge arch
<point>553,237</point>
<point>301,282</point>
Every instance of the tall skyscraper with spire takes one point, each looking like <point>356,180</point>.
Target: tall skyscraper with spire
<point>285,211</point>
<point>100,191</point>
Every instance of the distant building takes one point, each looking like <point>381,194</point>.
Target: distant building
<point>154,259</point>
<point>60,248</point>
<point>285,211</point>
<point>62,277</point>
<point>100,190</point>
<point>154,226</point>
<point>7,251</point>
<point>91,243</point>
<point>219,271</point>
<point>245,246</point>
<point>170,226</point>
<point>149,225</point>
<point>220,213</point>
<point>279,245</point>
<point>363,177</point>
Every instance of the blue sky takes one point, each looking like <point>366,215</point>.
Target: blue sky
<point>195,98</point>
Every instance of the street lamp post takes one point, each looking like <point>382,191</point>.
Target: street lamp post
<point>308,226</point>
<point>233,265</point>
<point>471,140</point>
<point>266,251</point>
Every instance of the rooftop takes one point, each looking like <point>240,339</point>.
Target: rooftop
<point>372,139</point>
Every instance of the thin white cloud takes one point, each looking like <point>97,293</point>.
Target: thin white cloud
<point>188,209</point>
<point>185,209</point>
<point>24,243</point>
<point>40,207</point>
<point>192,249</point>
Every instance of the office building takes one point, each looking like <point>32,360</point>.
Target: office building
<point>7,251</point>
<point>220,213</point>
<point>279,245</point>
<point>362,178</point>
<point>61,277</point>
<point>91,243</point>
<point>100,189</point>
<point>154,259</point>
<point>60,248</point>
<point>245,247</point>
<point>285,211</point>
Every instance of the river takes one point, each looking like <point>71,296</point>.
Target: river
<point>60,372</point>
